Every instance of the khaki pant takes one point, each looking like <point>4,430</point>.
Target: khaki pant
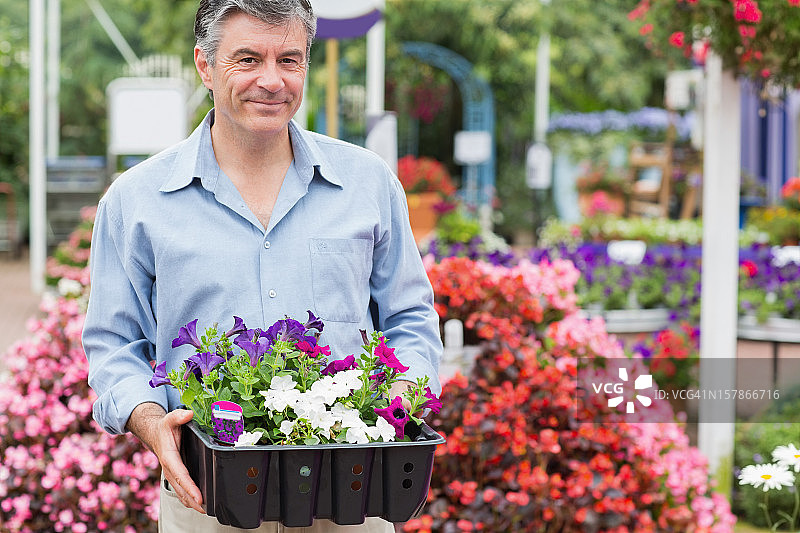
<point>174,517</point>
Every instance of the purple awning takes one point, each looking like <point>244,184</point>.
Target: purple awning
<point>347,28</point>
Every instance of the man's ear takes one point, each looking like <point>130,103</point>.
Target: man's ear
<point>203,68</point>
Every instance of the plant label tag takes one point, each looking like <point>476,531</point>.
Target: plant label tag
<point>628,252</point>
<point>228,421</point>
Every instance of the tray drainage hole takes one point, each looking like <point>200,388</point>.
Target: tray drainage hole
<point>251,488</point>
<point>358,469</point>
<point>407,483</point>
<point>355,485</point>
<point>408,468</point>
<point>305,471</point>
<point>305,488</point>
<point>252,472</point>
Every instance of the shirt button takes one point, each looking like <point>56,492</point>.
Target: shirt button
<point>272,293</point>
<point>266,245</point>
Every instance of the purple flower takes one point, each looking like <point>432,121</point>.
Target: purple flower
<point>255,349</point>
<point>204,362</point>
<point>187,335</point>
<point>314,322</point>
<point>433,403</point>
<point>288,330</point>
<point>248,335</point>
<point>348,363</point>
<point>160,376</point>
<point>396,416</point>
<point>387,357</point>
<point>238,327</point>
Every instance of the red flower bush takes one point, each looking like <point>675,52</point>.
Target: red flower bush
<point>58,470</point>
<point>424,174</point>
<point>523,450</point>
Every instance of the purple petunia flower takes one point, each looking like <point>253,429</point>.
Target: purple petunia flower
<point>238,327</point>
<point>255,349</point>
<point>348,363</point>
<point>387,357</point>
<point>288,330</point>
<point>204,362</point>
<point>396,416</point>
<point>187,335</point>
<point>314,322</point>
<point>433,403</point>
<point>160,376</point>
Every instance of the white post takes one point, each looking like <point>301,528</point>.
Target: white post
<point>542,96</point>
<point>37,172</point>
<point>718,314</point>
<point>376,68</point>
<point>53,76</point>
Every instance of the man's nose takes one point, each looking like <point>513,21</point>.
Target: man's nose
<point>270,78</point>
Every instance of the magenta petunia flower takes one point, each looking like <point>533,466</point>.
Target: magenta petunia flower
<point>387,357</point>
<point>396,416</point>
<point>187,335</point>
<point>348,363</point>
<point>433,403</point>
<point>160,376</point>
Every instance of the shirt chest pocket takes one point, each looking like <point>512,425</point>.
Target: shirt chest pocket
<point>340,270</point>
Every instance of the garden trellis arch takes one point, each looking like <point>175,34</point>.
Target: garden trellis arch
<point>478,115</point>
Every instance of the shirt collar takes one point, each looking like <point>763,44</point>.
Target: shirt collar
<point>195,158</point>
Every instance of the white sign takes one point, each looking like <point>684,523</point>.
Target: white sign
<point>472,147</point>
<point>628,252</point>
<point>345,9</point>
<point>539,167</point>
<point>683,88</point>
<point>146,115</point>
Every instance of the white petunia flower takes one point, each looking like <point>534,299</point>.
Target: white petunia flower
<point>287,426</point>
<point>280,400</point>
<point>282,383</point>
<point>248,439</point>
<point>770,475</point>
<point>787,456</point>
<point>357,435</point>
<point>383,430</point>
<point>349,380</point>
<point>347,416</point>
<point>325,389</point>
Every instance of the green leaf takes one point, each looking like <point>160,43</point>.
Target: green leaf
<point>225,394</point>
<point>311,441</point>
<point>188,397</point>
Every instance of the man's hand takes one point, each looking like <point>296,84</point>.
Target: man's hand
<point>161,432</point>
<point>397,389</point>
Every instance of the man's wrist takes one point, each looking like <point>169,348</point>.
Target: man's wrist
<point>143,421</point>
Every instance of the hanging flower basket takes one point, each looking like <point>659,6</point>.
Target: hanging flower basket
<point>294,485</point>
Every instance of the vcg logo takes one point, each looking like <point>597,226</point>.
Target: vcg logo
<point>645,381</point>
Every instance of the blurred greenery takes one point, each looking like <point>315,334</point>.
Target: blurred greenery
<point>597,62</point>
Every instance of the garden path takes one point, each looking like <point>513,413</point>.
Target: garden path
<point>18,303</point>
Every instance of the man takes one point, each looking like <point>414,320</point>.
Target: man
<point>254,217</point>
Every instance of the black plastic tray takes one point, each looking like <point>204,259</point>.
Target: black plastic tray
<point>293,485</point>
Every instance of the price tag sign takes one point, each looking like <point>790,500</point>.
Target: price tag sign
<point>228,421</point>
<point>628,252</point>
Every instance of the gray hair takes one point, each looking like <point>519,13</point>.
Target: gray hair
<point>212,13</point>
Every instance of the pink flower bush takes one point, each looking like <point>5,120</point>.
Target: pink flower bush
<point>58,470</point>
<point>525,451</point>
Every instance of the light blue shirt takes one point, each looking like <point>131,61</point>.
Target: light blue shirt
<point>174,241</point>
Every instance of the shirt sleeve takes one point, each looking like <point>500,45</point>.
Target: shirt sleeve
<point>119,332</point>
<point>403,295</point>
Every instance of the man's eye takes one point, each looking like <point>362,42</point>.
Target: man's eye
<point>248,60</point>
<point>288,61</point>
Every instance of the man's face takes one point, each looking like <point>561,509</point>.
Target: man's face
<point>258,76</point>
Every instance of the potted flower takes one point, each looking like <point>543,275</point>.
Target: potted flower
<point>602,190</point>
<point>427,183</point>
<point>273,416</point>
<point>780,224</point>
